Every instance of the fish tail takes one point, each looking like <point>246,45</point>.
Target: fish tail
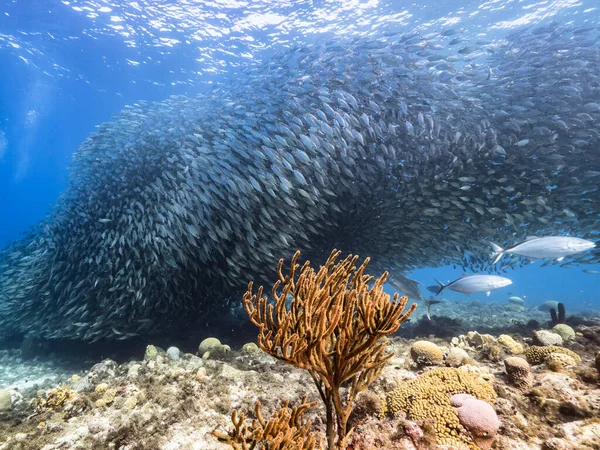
<point>498,252</point>
<point>442,286</point>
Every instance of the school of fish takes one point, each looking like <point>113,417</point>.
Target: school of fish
<point>416,150</point>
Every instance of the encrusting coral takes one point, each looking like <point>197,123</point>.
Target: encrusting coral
<point>427,398</point>
<point>334,328</point>
<point>53,400</point>
<point>286,430</point>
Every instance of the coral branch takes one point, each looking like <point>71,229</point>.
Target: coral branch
<point>334,327</point>
<point>286,430</point>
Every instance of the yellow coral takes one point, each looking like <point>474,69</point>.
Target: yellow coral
<point>427,398</point>
<point>109,396</point>
<point>55,399</point>
<point>251,347</point>
<point>131,402</point>
<point>559,362</point>
<point>565,331</point>
<point>510,344</point>
<point>212,347</point>
<point>101,388</point>
<point>177,372</point>
<point>537,355</point>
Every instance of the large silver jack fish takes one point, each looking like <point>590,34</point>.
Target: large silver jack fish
<point>544,247</point>
<point>471,284</point>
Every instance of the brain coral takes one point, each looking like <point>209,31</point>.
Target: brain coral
<point>537,355</point>
<point>427,398</point>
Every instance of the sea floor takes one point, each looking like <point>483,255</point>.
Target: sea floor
<point>173,400</point>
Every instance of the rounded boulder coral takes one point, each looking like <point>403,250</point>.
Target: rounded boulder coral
<point>212,347</point>
<point>457,357</point>
<point>478,417</point>
<point>565,331</point>
<point>426,353</point>
<point>547,337</point>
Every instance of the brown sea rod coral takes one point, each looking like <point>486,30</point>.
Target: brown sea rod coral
<point>334,328</point>
<point>285,430</point>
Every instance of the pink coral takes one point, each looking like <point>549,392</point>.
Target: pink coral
<point>478,417</point>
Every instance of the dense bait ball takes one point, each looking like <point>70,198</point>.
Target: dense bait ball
<point>372,146</point>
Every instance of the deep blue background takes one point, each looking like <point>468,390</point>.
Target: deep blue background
<point>71,70</point>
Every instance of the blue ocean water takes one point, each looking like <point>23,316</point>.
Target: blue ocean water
<point>66,66</point>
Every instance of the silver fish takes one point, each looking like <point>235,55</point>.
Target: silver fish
<point>554,247</point>
<point>407,286</point>
<point>471,284</point>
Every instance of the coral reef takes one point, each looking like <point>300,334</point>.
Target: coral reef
<point>251,347</point>
<point>54,400</point>
<point>158,401</point>
<point>163,403</point>
<point>559,362</point>
<point>151,353</point>
<point>457,357</point>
